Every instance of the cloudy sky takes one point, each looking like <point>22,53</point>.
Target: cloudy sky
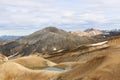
<point>22,17</point>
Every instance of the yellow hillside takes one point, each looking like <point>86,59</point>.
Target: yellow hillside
<point>15,71</point>
<point>34,62</point>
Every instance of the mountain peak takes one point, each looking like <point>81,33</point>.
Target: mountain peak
<point>51,29</point>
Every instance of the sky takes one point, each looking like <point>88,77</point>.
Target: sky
<point>23,17</point>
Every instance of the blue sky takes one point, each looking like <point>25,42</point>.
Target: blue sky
<point>22,17</point>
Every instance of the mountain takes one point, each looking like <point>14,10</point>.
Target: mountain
<point>93,32</point>
<point>87,62</point>
<point>88,32</point>
<point>9,37</point>
<point>47,40</point>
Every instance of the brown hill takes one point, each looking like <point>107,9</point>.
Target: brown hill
<point>14,71</point>
<point>49,39</point>
<point>98,61</point>
<point>81,53</point>
<point>100,68</point>
<point>104,66</point>
<point>33,62</point>
<point>3,58</point>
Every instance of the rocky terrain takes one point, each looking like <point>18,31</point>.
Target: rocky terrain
<point>99,62</point>
<point>47,40</point>
<point>66,57</point>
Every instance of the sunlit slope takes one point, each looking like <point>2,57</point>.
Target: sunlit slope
<point>15,71</point>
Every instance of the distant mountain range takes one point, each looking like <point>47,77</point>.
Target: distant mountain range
<point>9,37</point>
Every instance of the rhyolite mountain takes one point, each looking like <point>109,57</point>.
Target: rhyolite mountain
<point>48,40</point>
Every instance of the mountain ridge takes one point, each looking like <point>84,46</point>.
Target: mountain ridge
<point>50,39</point>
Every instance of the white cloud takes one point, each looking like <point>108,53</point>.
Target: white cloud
<point>95,17</point>
<point>25,12</point>
<point>16,32</point>
<point>111,3</point>
<point>32,13</point>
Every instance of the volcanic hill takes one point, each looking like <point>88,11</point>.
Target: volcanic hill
<point>47,40</point>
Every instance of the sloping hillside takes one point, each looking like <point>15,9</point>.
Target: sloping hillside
<point>46,40</point>
<point>33,62</point>
<point>15,71</point>
<point>82,53</point>
<point>98,61</point>
<point>99,68</point>
<point>103,66</point>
